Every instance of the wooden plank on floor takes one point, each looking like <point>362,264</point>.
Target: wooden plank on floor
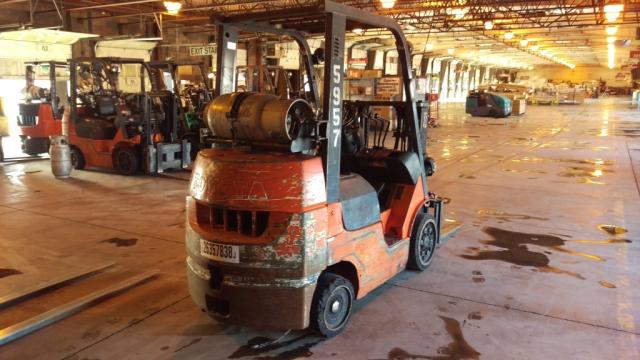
<point>46,285</point>
<point>28,326</point>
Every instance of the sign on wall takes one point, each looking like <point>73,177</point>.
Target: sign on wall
<point>202,50</point>
<point>388,86</point>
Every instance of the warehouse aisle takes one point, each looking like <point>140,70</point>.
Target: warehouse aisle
<point>544,266</point>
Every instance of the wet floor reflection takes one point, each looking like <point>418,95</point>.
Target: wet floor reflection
<point>505,216</point>
<point>513,248</point>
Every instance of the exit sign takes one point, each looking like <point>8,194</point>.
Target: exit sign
<point>202,50</point>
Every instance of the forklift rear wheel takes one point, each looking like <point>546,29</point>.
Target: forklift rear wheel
<point>125,161</point>
<point>424,238</point>
<point>332,304</point>
<point>77,159</point>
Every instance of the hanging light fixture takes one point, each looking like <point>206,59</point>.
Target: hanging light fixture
<point>611,39</point>
<point>524,42</point>
<point>451,51</point>
<point>387,4</point>
<point>611,30</point>
<point>358,31</point>
<point>535,48</point>
<point>173,7</point>
<point>611,55</point>
<point>612,11</point>
<point>428,46</point>
<point>488,25</point>
<point>508,35</point>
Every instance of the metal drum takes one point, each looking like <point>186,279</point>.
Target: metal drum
<point>257,117</point>
<point>60,153</point>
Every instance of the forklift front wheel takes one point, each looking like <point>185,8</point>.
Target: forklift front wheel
<point>424,238</point>
<point>332,304</point>
<point>125,160</point>
<point>77,159</point>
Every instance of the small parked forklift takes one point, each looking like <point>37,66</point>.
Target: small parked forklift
<point>187,85</point>
<point>40,115</point>
<point>288,219</point>
<point>128,131</point>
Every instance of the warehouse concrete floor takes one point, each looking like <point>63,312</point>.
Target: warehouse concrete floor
<point>532,274</point>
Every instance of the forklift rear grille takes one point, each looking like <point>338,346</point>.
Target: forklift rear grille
<point>28,114</point>
<point>27,120</point>
<point>244,222</point>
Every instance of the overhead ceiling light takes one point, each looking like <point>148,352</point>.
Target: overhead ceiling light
<point>459,13</point>
<point>530,68</point>
<point>611,30</point>
<point>451,51</point>
<point>612,11</point>
<point>611,39</point>
<point>544,52</point>
<point>508,35</point>
<point>173,7</point>
<point>524,42</point>
<point>428,46</point>
<point>535,48</point>
<point>358,31</point>
<point>488,25</point>
<point>387,4</point>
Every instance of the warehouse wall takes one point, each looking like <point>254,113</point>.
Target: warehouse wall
<point>578,75</point>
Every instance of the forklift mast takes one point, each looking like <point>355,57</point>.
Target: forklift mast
<point>333,20</point>
<point>30,80</point>
<point>172,67</point>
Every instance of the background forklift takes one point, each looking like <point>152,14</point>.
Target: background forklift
<point>487,104</point>
<point>185,84</point>
<point>40,115</point>
<point>127,131</point>
<point>286,227</point>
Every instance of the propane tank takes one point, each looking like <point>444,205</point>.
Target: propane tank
<point>60,156</point>
<point>257,117</point>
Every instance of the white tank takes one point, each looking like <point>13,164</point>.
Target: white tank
<point>60,153</point>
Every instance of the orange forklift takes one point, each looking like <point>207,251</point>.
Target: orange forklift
<point>305,205</point>
<point>129,131</point>
<point>40,115</point>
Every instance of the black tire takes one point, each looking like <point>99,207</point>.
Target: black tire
<point>332,305</point>
<point>424,238</point>
<point>125,161</point>
<point>77,159</point>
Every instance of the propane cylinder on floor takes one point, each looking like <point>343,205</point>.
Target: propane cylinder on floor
<point>60,153</point>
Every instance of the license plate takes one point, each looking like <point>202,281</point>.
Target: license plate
<point>220,252</point>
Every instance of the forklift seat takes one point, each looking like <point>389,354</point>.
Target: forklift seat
<point>359,202</point>
<point>105,106</point>
<point>385,166</point>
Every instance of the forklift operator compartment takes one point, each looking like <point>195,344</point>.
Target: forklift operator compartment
<point>286,227</point>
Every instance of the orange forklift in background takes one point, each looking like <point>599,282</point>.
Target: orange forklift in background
<point>303,206</point>
<point>129,131</point>
<point>40,116</point>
